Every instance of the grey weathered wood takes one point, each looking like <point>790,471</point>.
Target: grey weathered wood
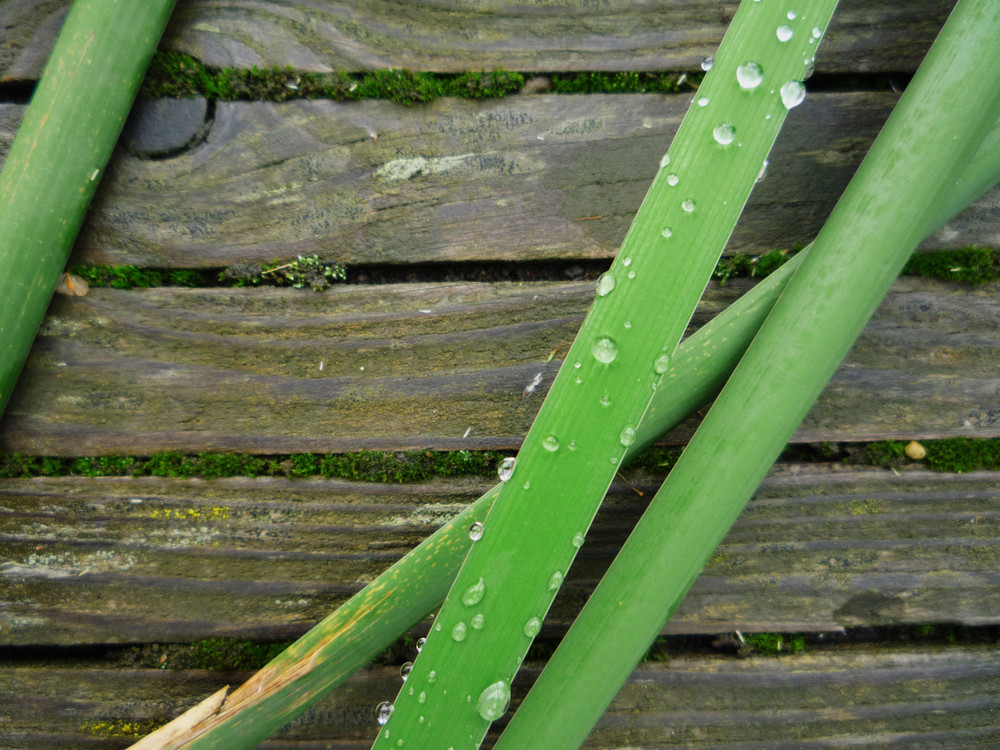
<point>543,36</point>
<point>919,697</point>
<point>522,178</point>
<point>427,366</point>
<point>131,560</point>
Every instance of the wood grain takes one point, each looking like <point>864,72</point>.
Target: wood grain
<point>440,366</point>
<point>522,178</point>
<point>918,698</point>
<point>555,35</point>
<point>131,560</point>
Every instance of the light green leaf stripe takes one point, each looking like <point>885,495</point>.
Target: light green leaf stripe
<point>460,683</point>
<point>941,120</point>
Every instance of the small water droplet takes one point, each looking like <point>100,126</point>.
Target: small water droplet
<point>493,701</point>
<point>477,621</point>
<point>631,274</point>
<point>628,323</point>
<point>749,75</point>
<point>672,179</point>
<point>404,672</point>
<point>723,134</point>
<point>606,400</point>
<point>605,284</point>
<point>555,580</point>
<point>627,261</point>
<point>382,712</point>
<point>578,380</point>
<point>422,697</point>
<point>476,531</point>
<point>817,32</point>
<point>474,594</point>
<point>792,94</point>
<point>432,677</point>
<point>420,644</point>
<point>551,444</point>
<point>527,485</point>
<point>762,173</point>
<point>785,32</point>
<point>578,537</point>
<point>707,63</point>
<point>688,205</point>
<point>702,101</point>
<point>604,350</point>
<point>577,365</point>
<point>506,468</point>
<point>437,626</point>
<point>458,632</point>
<point>627,436</point>
<point>661,364</point>
<point>665,160</point>
<point>532,627</point>
<point>572,446</point>
<point>791,15</point>
<point>667,232</point>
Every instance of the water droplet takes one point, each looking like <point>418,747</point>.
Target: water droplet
<point>422,698</point>
<point>702,101</point>
<point>762,173</point>
<point>578,380</point>
<point>723,134</point>
<point>817,32</point>
<point>493,701</point>
<point>604,350</point>
<point>785,32</point>
<point>665,160</point>
<point>791,15</point>
<point>437,626</point>
<point>666,232</point>
<point>577,365</point>
<point>477,621</point>
<point>605,284</point>
<point>474,594</point>
<point>382,712</point>
<point>555,580</point>
<point>420,644</point>
<point>506,468</point>
<point>707,63</point>
<point>551,444</point>
<point>792,94</point>
<point>661,364</point>
<point>578,537</point>
<point>627,436</point>
<point>527,485</point>
<point>749,75</point>
<point>606,401</point>
<point>810,68</point>
<point>627,261</point>
<point>628,323</point>
<point>476,531</point>
<point>688,205</point>
<point>532,627</point>
<point>432,677</point>
<point>404,672</point>
<point>631,274</point>
<point>458,632</point>
<point>572,446</point>
<point>672,179</point>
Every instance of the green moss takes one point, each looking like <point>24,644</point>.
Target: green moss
<point>951,455</point>
<point>625,82</point>
<point>974,265</point>
<point>775,644</point>
<point>133,277</point>
<point>213,654</point>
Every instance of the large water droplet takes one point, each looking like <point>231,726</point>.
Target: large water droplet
<point>785,32</point>
<point>578,537</point>
<point>667,232</point>
<point>404,671</point>
<point>627,436</point>
<point>605,284</point>
<point>661,364</point>
<point>749,75</point>
<point>672,179</point>
<point>506,468</point>
<point>792,94</point>
<point>477,621</point>
<point>476,531</point>
<point>723,134</point>
<point>532,627</point>
<point>474,594</point>
<point>551,444</point>
<point>382,712</point>
<point>555,580</point>
<point>688,205</point>
<point>604,350</point>
<point>420,644</point>
<point>493,701</point>
<point>458,632</point>
<point>707,63</point>
<point>702,101</point>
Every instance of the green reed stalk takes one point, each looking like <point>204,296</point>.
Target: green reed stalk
<point>941,120</point>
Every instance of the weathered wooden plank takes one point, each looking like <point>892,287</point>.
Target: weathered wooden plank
<point>522,178</point>
<point>126,560</point>
<point>916,698</point>
<point>427,366</point>
<point>555,35</point>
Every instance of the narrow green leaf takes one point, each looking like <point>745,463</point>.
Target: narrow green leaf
<point>59,154</point>
<point>935,130</point>
<point>460,683</point>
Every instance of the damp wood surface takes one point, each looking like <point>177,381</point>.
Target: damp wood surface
<point>133,560</point>
<point>865,37</point>
<point>430,366</point>
<point>524,178</point>
<point>914,697</point>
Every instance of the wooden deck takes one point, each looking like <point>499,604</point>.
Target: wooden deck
<point>92,566</point>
